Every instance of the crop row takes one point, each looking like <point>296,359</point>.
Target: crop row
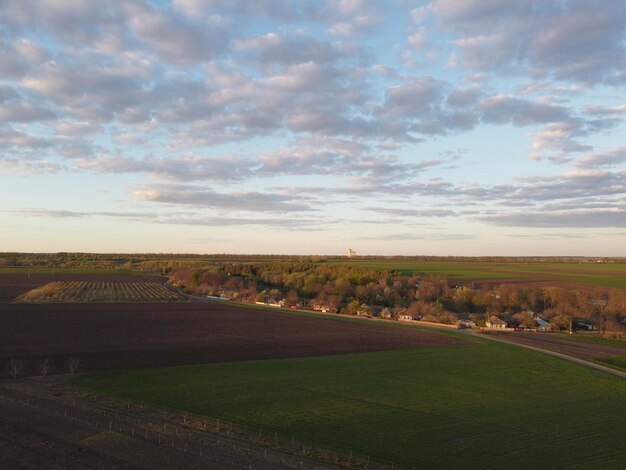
<point>85,291</point>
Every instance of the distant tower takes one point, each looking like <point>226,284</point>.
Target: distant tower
<point>351,253</point>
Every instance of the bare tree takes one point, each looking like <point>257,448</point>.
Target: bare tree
<point>15,365</point>
<point>45,366</point>
<point>73,363</point>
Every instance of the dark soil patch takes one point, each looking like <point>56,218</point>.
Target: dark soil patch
<point>556,343</point>
<point>112,336</point>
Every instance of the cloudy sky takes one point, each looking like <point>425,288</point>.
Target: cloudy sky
<point>444,127</point>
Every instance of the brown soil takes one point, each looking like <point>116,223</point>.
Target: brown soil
<point>110,336</point>
<point>557,343</point>
<point>12,285</point>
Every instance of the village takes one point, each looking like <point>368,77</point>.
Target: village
<point>429,299</point>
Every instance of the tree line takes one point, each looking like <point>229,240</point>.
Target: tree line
<point>348,289</point>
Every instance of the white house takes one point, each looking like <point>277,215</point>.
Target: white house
<point>495,323</point>
<point>542,325</point>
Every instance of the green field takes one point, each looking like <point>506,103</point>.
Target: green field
<point>615,362</point>
<point>607,275</point>
<point>485,405</point>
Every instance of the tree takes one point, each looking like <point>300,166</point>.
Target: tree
<point>44,366</point>
<point>464,299</point>
<point>525,319</point>
<point>73,363</point>
<point>561,322</point>
<point>353,307</point>
<point>479,318</point>
<point>195,278</point>
<point>15,366</point>
<point>292,298</point>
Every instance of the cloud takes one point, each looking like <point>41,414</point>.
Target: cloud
<point>178,39</point>
<point>401,212</point>
<point>576,40</point>
<point>570,219</point>
<point>562,136</point>
<point>180,218</point>
<point>500,109</point>
<point>69,214</point>
<point>16,140</point>
<point>187,195</point>
<point>605,110</point>
<point>185,168</point>
<point>417,237</point>
<point>294,49</point>
<point>608,158</point>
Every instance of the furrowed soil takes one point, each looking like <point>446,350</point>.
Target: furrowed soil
<point>12,285</point>
<point>83,291</point>
<point>112,336</point>
<point>557,343</point>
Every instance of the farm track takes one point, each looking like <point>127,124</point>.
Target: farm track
<point>45,421</point>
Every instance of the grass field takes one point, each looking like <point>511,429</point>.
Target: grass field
<point>615,362</point>
<point>485,405</point>
<point>607,275</point>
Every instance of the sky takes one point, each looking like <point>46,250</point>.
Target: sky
<point>443,127</point>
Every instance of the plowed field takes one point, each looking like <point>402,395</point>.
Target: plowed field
<point>90,291</point>
<point>110,336</point>
<point>562,345</point>
<point>12,285</point>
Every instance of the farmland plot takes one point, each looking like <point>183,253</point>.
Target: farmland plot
<point>490,405</point>
<point>100,291</point>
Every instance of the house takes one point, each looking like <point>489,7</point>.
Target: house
<point>465,324</point>
<point>323,306</point>
<point>227,294</point>
<point>405,315</point>
<point>495,323</point>
<point>364,311</point>
<point>385,313</point>
<point>542,325</point>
